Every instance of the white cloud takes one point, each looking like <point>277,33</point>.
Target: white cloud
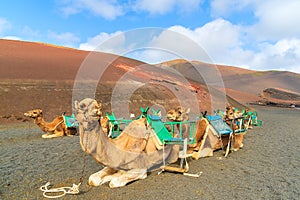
<point>165,6</point>
<point>227,7</point>
<point>217,38</point>
<point>220,39</point>
<point>155,6</point>
<point>96,43</point>
<point>283,55</point>
<point>108,9</point>
<point>11,38</point>
<point>274,19</point>
<point>277,19</point>
<point>4,25</point>
<point>66,39</point>
<point>270,41</point>
<point>223,43</point>
<point>152,56</point>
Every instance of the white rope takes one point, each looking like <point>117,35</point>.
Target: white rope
<point>164,162</point>
<point>64,190</point>
<point>197,175</point>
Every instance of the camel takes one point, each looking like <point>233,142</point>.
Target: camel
<point>205,137</point>
<point>107,126</point>
<point>180,114</point>
<point>56,128</point>
<point>126,158</point>
<point>232,113</point>
<point>231,116</point>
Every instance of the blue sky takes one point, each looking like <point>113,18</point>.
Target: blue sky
<point>253,34</point>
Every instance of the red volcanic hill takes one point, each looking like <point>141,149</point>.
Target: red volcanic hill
<point>28,60</point>
<point>246,86</point>
<point>36,75</point>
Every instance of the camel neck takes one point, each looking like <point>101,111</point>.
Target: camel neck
<point>40,122</point>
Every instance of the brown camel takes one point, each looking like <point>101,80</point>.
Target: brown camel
<point>56,128</point>
<point>231,117</point>
<point>108,127</point>
<point>205,136</point>
<point>127,157</point>
<point>180,114</point>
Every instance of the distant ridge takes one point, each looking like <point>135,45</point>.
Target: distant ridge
<point>243,85</point>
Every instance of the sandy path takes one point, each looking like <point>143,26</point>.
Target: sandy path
<point>268,167</point>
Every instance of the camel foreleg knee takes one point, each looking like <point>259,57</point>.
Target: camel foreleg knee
<point>127,176</point>
<point>54,135</point>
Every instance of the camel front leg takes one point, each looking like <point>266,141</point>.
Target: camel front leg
<point>101,177</point>
<point>54,135</point>
<point>121,179</point>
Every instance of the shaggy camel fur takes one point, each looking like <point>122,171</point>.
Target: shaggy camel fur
<point>127,157</point>
<point>56,128</point>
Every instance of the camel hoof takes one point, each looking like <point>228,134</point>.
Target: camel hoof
<point>95,180</point>
<point>127,177</point>
<point>45,135</point>
<point>210,154</point>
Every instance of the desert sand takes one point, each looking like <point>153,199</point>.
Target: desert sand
<point>266,168</point>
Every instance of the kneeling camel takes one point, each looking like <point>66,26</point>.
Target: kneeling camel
<point>56,128</point>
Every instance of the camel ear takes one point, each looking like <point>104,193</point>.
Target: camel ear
<point>187,110</point>
<point>98,105</point>
<point>76,105</point>
<point>179,110</point>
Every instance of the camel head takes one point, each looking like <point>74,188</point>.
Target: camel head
<point>34,113</point>
<point>179,114</point>
<point>88,109</point>
<point>230,113</point>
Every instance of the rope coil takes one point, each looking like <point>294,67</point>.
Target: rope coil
<point>64,190</point>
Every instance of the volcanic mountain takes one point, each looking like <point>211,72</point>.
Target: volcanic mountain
<point>37,75</point>
<point>247,86</point>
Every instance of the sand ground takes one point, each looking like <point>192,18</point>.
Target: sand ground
<point>268,167</point>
